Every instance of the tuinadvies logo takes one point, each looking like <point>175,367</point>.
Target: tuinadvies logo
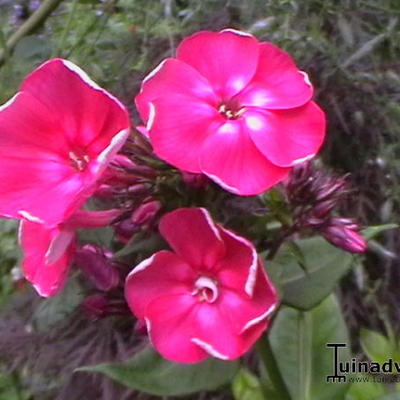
<point>354,366</point>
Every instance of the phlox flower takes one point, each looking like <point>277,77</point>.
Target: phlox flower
<point>233,108</point>
<point>209,296</point>
<point>57,135</point>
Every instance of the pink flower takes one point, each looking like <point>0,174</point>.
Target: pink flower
<point>210,296</point>
<point>57,135</point>
<point>232,108</point>
<point>48,251</point>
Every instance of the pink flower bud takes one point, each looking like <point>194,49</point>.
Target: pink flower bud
<point>345,237</point>
<point>105,192</point>
<point>97,268</point>
<point>96,305</point>
<point>195,181</point>
<point>125,230</point>
<point>145,213</point>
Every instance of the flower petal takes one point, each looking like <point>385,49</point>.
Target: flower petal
<point>193,236</point>
<point>287,137</point>
<point>180,127</point>
<point>277,83</point>
<point>228,59</point>
<point>38,189</point>
<point>230,159</point>
<point>163,274</point>
<point>35,240</point>
<point>89,115</point>
<point>243,311</point>
<point>171,323</point>
<point>171,77</point>
<point>237,270</point>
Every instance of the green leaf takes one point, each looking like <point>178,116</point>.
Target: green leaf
<point>305,281</point>
<point>142,243</point>
<point>148,372</point>
<point>376,346</point>
<point>54,309</point>
<point>365,389</point>
<point>373,231</point>
<point>298,340</point>
<point>246,386</point>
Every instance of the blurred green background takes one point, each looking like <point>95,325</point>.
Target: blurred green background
<point>351,50</point>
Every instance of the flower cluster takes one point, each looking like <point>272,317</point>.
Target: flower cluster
<point>227,109</point>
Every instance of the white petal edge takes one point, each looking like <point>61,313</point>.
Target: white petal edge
<point>251,278</point>
<point>85,77</point>
<point>58,246</point>
<point>152,116</point>
<point>28,216</point>
<point>306,78</point>
<point>116,143</point>
<point>141,266</point>
<point>303,159</point>
<point>148,327</point>
<point>39,291</point>
<point>9,102</point>
<point>209,349</point>
<point>258,319</point>
<point>237,32</point>
<point>152,73</point>
<point>211,223</point>
<point>221,183</point>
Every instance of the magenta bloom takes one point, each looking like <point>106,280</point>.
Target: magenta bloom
<point>57,135</point>
<point>232,108</point>
<point>210,296</point>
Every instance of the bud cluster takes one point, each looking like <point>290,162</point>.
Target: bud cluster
<point>314,196</point>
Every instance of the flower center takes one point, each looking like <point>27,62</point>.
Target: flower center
<point>206,289</point>
<point>231,110</point>
<point>78,161</point>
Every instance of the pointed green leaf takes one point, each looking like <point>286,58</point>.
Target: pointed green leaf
<point>305,281</point>
<point>298,341</point>
<point>148,372</point>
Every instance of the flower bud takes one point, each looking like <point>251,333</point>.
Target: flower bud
<point>195,181</point>
<point>145,213</point>
<point>97,268</point>
<point>140,327</point>
<point>125,230</point>
<point>104,191</point>
<point>346,237</point>
<point>96,305</point>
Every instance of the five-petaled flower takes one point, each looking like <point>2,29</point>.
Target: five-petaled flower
<point>210,296</point>
<point>232,108</point>
<point>57,135</point>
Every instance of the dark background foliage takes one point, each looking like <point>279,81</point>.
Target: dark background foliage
<point>351,50</point>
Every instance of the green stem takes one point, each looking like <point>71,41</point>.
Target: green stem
<point>57,50</point>
<point>269,361</point>
<point>30,25</point>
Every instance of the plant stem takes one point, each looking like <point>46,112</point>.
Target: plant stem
<point>271,366</point>
<point>58,49</point>
<point>32,23</point>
